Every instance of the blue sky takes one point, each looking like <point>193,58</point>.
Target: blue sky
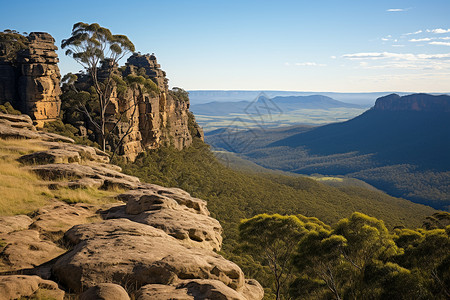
<point>321,45</point>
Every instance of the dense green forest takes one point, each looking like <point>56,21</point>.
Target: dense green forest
<point>402,153</point>
<point>233,195</point>
<point>356,258</point>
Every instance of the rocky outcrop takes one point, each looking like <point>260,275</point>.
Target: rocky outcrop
<point>28,287</point>
<point>153,115</point>
<point>31,81</point>
<point>153,243</point>
<point>105,291</point>
<point>414,102</point>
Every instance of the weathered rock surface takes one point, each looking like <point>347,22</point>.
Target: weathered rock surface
<point>25,249</point>
<point>14,223</point>
<point>147,206</point>
<point>79,176</point>
<point>19,286</point>
<point>127,252</point>
<point>161,117</point>
<point>105,291</point>
<point>190,290</point>
<point>20,127</point>
<point>182,197</point>
<point>33,79</point>
<point>59,153</point>
<point>60,217</point>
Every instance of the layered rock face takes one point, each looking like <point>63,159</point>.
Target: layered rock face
<point>31,82</point>
<point>161,119</point>
<point>414,102</point>
<point>153,243</point>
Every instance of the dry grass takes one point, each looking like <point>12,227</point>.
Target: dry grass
<point>22,192</point>
<point>91,196</point>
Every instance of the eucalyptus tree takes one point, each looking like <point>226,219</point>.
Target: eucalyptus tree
<point>92,45</point>
<point>273,239</point>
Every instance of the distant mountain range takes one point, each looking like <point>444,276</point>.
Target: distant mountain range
<point>279,103</point>
<point>206,96</point>
<point>401,145</point>
<point>397,130</point>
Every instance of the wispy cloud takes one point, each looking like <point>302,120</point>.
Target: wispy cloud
<point>438,30</point>
<point>397,9</point>
<point>413,33</point>
<point>386,60</point>
<point>396,56</point>
<point>440,43</point>
<point>309,64</point>
<point>421,40</point>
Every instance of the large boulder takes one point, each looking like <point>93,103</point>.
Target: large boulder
<point>105,291</point>
<point>189,290</point>
<point>21,286</point>
<point>136,254</point>
<point>25,249</point>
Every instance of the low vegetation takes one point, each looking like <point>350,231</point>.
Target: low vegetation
<point>23,192</point>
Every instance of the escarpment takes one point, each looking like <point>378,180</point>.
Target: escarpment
<point>142,113</point>
<point>30,78</point>
<point>154,242</point>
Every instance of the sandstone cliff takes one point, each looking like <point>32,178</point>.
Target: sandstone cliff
<point>153,243</point>
<point>414,102</point>
<point>143,112</point>
<point>30,81</point>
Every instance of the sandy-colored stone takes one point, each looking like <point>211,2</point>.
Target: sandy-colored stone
<point>252,290</point>
<point>60,217</point>
<point>124,251</point>
<point>189,290</point>
<point>14,223</point>
<point>162,292</point>
<point>192,229</point>
<point>139,201</point>
<point>26,249</point>
<point>74,172</point>
<point>179,195</point>
<point>210,289</point>
<point>18,286</point>
<point>105,291</point>
<point>52,156</point>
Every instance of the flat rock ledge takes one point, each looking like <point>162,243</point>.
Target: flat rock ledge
<point>154,243</point>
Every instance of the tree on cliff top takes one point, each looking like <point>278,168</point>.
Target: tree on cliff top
<point>92,45</point>
<point>11,42</point>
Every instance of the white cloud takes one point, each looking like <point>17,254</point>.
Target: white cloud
<point>440,43</point>
<point>333,57</point>
<point>389,60</point>
<point>396,9</point>
<point>438,30</point>
<point>421,40</point>
<point>396,56</point>
<point>379,55</point>
<point>309,64</point>
<point>384,39</point>
<point>445,38</point>
<point>413,33</point>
